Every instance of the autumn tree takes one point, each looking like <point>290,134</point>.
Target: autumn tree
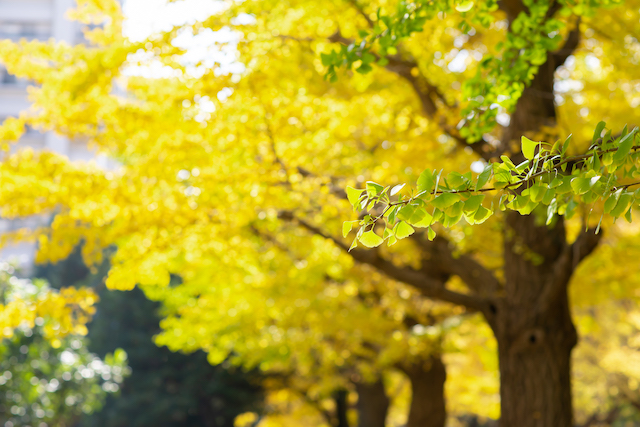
<point>48,374</point>
<point>285,311</point>
<point>163,388</point>
<point>234,178</point>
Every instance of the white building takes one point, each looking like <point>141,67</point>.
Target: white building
<point>42,20</point>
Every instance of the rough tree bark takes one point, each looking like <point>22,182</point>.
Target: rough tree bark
<point>427,408</point>
<point>532,322</point>
<point>534,329</point>
<point>373,404</point>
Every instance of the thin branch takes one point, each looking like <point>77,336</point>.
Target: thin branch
<point>572,161</point>
<point>272,141</point>
<point>426,93</point>
<point>360,10</point>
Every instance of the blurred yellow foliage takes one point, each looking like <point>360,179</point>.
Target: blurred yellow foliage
<point>214,165</point>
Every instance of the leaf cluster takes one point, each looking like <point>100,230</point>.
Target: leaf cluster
<point>548,176</point>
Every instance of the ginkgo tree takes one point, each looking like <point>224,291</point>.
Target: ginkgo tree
<point>235,182</point>
<point>294,327</point>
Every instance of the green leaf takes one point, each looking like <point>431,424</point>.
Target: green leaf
<point>596,162</point>
<point>598,131</point>
<point>431,234</point>
<point>528,148</point>
<point>353,195</point>
<point>473,203</point>
<point>406,212</point>
<point>623,148</point>
<point>623,204</point>
<point>392,215</point>
<point>426,221</point>
<point>484,177</point>
<point>455,210</point>
<point>611,202</point>
<point>387,232</point>
<point>506,161</point>
<point>445,200</point>
<point>551,210</point>
<point>548,197</point>
<point>426,181</point>
<point>481,215</point>
<point>346,227</point>
<point>437,181</point>
<point>537,192</point>
<point>519,202</point>
<point>456,180</point>
<point>418,215</point>
<point>501,173</point>
<point>565,187</point>
<point>371,239</point>
<point>373,189</point>
<point>364,68</point>
<point>581,185</point>
<point>451,220</point>
<point>565,145</point>
<point>590,197</point>
<point>368,58</point>
<point>570,209</point>
<point>528,208</point>
<point>556,182</point>
<point>607,159</point>
<point>402,230</point>
<point>464,6</point>
<point>327,58</point>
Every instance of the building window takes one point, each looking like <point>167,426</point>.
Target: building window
<point>6,78</point>
<point>27,30</point>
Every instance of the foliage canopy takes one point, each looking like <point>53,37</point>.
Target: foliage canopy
<point>232,174</point>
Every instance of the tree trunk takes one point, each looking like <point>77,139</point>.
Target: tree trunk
<point>373,404</point>
<point>533,328</point>
<point>342,406</point>
<point>427,407</point>
<point>532,322</point>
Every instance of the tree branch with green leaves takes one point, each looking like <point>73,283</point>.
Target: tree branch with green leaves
<point>548,176</point>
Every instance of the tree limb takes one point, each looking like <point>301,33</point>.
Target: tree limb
<point>440,256</point>
<point>425,92</point>
<point>570,45</point>
<point>566,264</point>
<point>428,286</point>
<point>360,10</point>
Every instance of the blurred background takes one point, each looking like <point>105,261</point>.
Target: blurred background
<point>115,375</point>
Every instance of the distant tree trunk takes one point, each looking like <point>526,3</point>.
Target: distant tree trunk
<point>342,406</point>
<point>427,408</point>
<point>373,404</point>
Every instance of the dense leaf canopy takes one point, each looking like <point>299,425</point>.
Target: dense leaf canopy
<point>236,170</point>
